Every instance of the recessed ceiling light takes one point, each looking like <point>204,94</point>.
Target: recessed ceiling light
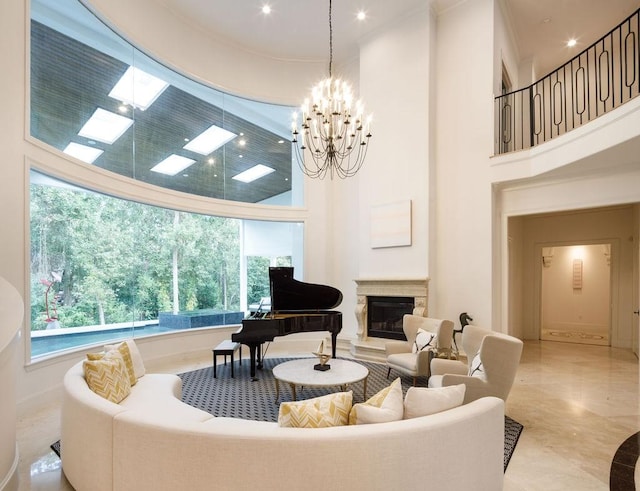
<point>105,126</point>
<point>255,172</point>
<point>172,165</point>
<point>209,140</point>
<point>362,15</point>
<point>266,9</point>
<point>138,88</point>
<point>280,141</point>
<point>571,43</point>
<point>211,161</point>
<point>83,152</point>
<point>242,142</point>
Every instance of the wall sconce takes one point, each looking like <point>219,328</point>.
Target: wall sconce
<point>547,256</point>
<point>577,274</point>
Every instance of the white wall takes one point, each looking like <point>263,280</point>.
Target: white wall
<point>613,225</point>
<point>569,309</point>
<point>461,272</point>
<point>395,87</point>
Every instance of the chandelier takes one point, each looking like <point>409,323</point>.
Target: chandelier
<point>331,130</point>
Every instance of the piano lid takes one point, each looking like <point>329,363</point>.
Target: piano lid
<point>289,294</point>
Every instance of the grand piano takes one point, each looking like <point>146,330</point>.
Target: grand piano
<point>295,307</point>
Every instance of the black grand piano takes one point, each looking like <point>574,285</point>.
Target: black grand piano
<point>295,307</point>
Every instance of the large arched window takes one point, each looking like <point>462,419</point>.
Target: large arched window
<point>104,268</point>
<point>98,99</point>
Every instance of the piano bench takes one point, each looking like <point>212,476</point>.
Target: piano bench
<point>226,348</point>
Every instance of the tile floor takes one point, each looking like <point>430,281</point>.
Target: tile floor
<point>578,404</point>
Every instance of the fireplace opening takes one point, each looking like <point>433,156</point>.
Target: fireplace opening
<point>384,318</point>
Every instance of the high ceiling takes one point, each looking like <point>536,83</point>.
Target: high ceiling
<point>295,29</point>
<point>298,29</point>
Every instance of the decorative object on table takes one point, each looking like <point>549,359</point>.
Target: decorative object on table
<point>323,366</point>
<point>332,129</point>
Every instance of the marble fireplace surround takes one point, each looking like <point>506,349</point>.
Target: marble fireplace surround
<point>418,288</point>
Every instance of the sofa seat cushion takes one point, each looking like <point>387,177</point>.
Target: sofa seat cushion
<point>159,394</point>
<point>405,361</point>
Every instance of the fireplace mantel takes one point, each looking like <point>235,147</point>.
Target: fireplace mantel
<point>418,288</point>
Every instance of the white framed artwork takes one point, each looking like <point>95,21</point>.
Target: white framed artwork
<point>391,225</point>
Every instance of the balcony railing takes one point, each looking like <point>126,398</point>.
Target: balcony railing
<point>596,81</point>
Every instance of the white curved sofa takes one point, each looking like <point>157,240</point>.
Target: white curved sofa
<point>153,441</point>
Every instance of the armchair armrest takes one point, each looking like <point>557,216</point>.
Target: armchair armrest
<point>423,361</point>
<point>440,366</point>
<point>394,347</point>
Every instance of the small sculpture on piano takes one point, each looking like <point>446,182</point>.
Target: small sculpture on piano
<point>323,366</point>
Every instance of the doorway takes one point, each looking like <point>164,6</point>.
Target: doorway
<point>575,300</point>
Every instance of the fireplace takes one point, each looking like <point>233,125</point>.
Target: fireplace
<point>408,295</point>
<point>385,316</point>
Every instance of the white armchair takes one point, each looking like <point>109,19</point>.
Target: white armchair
<point>406,357</point>
<point>492,363</point>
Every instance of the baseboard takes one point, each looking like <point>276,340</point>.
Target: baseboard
<point>10,481</point>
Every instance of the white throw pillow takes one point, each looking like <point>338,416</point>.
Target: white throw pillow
<point>476,369</point>
<point>424,340</point>
<point>386,405</point>
<point>422,401</point>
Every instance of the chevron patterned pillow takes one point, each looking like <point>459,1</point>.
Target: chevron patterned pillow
<point>319,412</point>
<point>123,348</point>
<point>108,376</point>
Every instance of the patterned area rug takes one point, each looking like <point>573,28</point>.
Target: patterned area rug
<point>239,397</point>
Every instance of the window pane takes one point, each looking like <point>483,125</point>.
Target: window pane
<point>104,268</point>
<point>102,101</point>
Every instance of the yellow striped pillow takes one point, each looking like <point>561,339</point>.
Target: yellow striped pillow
<point>123,348</point>
<point>319,412</point>
<point>108,377</point>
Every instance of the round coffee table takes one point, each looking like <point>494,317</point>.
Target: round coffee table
<point>301,372</point>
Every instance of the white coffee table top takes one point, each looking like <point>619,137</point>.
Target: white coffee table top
<point>301,372</point>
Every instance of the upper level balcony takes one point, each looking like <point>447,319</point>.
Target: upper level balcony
<point>586,107</point>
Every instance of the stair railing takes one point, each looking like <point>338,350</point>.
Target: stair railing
<point>599,79</point>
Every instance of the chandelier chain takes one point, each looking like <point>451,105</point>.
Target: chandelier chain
<point>330,41</point>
